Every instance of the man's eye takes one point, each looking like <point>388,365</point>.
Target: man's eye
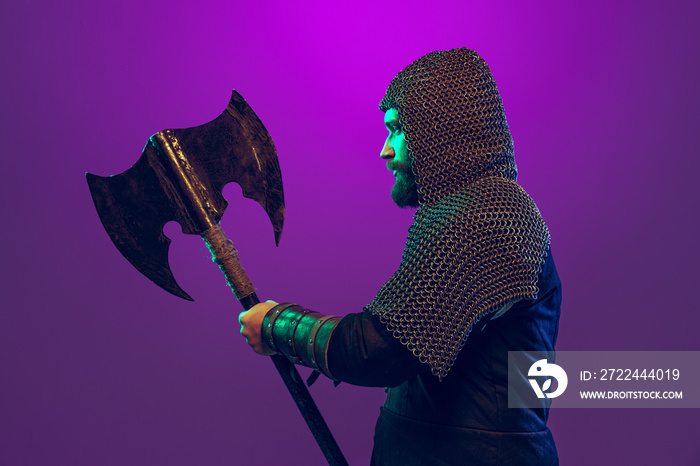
<point>395,128</point>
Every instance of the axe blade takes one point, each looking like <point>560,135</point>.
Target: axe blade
<point>127,207</point>
<point>135,205</point>
<point>237,147</point>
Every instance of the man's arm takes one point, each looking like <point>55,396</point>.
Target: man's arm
<point>357,349</point>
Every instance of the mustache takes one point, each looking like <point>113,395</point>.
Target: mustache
<point>400,167</point>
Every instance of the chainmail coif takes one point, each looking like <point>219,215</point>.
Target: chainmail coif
<point>478,241</point>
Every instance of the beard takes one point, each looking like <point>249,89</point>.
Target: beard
<point>405,191</point>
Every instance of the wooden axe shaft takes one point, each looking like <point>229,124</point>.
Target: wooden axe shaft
<point>225,255</point>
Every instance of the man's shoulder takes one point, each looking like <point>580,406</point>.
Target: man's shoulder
<point>480,204</point>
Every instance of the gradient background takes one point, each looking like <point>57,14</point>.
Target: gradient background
<point>98,366</point>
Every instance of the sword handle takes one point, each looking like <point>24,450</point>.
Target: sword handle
<point>225,255</point>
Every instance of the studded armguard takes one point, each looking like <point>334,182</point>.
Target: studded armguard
<point>299,334</point>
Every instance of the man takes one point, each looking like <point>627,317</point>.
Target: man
<point>476,280</point>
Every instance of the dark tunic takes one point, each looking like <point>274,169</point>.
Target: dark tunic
<point>463,419</point>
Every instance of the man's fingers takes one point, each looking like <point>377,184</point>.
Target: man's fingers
<point>251,324</point>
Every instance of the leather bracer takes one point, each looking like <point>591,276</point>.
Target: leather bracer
<point>299,334</point>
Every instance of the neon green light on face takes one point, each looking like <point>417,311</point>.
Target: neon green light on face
<point>398,160</point>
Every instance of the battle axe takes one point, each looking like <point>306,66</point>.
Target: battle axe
<point>180,176</point>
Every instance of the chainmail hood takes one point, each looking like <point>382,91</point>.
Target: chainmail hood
<point>478,241</point>
<point>453,120</point>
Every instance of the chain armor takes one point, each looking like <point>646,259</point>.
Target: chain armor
<point>478,241</point>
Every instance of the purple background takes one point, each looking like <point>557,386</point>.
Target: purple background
<point>101,367</point>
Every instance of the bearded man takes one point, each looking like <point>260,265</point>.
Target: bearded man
<point>476,280</point>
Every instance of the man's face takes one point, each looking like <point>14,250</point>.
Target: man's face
<point>398,160</point>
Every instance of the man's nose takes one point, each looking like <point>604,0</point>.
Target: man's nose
<point>387,151</point>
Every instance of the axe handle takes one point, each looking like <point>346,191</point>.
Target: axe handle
<point>225,255</point>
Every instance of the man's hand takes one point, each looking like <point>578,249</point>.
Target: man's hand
<point>251,326</point>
